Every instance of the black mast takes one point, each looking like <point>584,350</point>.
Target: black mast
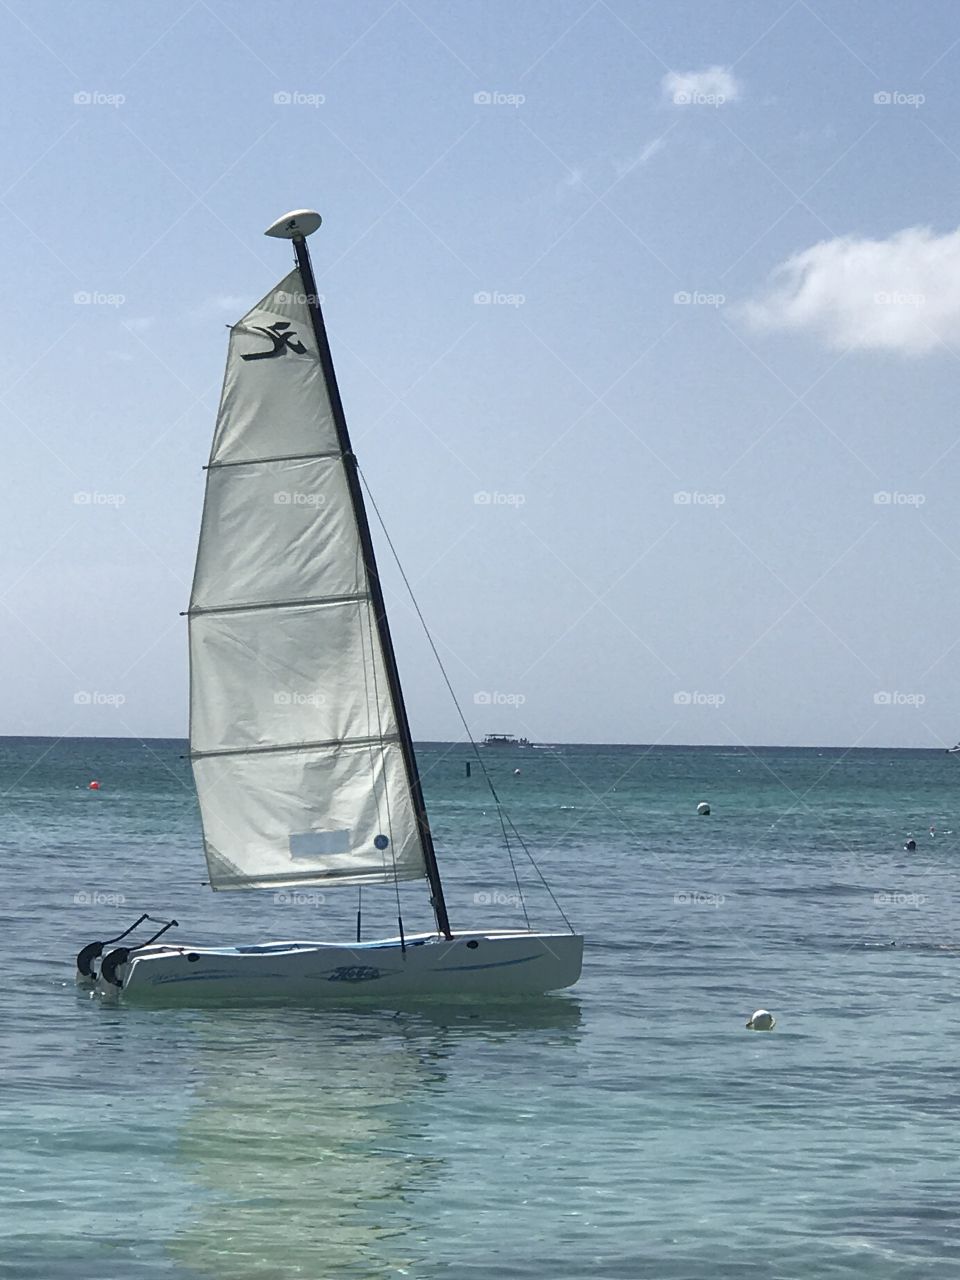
<point>373,577</point>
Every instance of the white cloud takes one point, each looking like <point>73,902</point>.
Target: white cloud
<point>711,87</point>
<point>623,167</point>
<point>899,294</point>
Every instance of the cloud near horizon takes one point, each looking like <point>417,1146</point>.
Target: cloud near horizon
<point>711,87</point>
<point>899,294</point>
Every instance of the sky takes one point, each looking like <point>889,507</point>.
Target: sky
<point>647,324</point>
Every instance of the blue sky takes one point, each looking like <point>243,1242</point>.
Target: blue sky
<point>708,409</point>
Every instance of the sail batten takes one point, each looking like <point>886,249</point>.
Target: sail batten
<point>296,746</point>
<point>276,604</point>
<point>295,738</point>
<point>282,457</point>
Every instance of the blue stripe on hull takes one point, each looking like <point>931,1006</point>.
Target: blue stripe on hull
<point>496,964</point>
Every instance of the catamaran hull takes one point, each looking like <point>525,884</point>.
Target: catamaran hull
<point>481,964</point>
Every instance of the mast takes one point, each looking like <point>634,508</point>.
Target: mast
<point>296,227</point>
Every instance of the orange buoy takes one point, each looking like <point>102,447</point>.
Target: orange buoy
<point>94,786</point>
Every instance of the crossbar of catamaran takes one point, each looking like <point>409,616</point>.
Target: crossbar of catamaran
<point>293,790</point>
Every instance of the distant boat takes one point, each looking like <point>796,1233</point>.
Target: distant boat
<point>302,756</point>
<point>952,750</point>
<point>505,740</point>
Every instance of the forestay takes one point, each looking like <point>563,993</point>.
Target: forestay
<point>293,732</point>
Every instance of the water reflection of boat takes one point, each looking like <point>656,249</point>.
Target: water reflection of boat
<point>312,1145</point>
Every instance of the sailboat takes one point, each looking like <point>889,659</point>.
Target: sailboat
<point>302,755</point>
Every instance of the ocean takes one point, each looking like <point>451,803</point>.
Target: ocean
<point>629,1128</point>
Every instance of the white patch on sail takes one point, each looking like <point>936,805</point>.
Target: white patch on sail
<point>314,844</point>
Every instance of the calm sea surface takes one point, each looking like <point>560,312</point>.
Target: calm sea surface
<point>629,1128</point>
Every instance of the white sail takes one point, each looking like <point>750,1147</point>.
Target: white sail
<point>293,732</point>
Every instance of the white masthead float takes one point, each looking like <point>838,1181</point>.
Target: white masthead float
<point>301,748</point>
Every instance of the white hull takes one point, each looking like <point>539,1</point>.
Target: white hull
<point>488,964</point>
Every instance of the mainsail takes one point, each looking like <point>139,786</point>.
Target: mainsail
<point>294,732</point>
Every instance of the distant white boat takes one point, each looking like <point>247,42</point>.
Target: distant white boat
<point>302,755</point>
<point>952,750</point>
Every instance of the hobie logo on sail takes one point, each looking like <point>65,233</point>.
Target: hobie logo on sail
<point>282,341</point>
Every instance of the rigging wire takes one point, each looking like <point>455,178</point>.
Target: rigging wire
<point>505,819</point>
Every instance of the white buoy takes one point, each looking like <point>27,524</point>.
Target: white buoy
<point>703,809</point>
<point>516,773</point>
<point>762,1020</point>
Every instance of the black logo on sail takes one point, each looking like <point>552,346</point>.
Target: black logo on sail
<point>282,341</point>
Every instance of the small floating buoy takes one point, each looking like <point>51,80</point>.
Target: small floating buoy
<point>516,773</point>
<point>911,846</point>
<point>762,1020</point>
<point>94,786</point>
<point>703,809</point>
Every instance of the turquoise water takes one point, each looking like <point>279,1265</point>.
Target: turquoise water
<point>630,1128</point>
